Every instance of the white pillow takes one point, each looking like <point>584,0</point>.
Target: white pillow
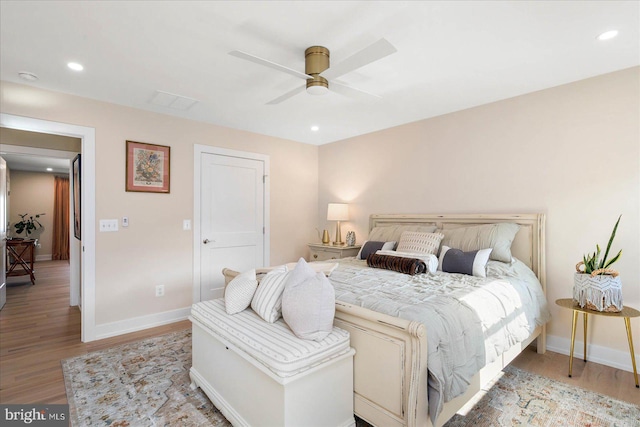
<point>473,263</point>
<point>429,259</point>
<point>239,292</point>
<point>267,301</point>
<point>309,307</point>
<point>418,242</point>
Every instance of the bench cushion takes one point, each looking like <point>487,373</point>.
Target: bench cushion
<point>272,344</point>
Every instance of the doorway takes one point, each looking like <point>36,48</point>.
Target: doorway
<point>87,248</point>
<point>231,216</point>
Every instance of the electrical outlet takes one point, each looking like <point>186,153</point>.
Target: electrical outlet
<point>159,290</point>
<point>108,225</point>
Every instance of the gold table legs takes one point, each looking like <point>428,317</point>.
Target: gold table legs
<point>627,323</point>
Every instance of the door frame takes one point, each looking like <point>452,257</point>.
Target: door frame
<point>88,206</point>
<point>198,151</point>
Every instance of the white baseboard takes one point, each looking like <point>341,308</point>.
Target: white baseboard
<point>595,353</point>
<point>121,327</point>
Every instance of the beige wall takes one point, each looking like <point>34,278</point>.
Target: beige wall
<point>32,193</point>
<point>154,249</point>
<point>571,152</point>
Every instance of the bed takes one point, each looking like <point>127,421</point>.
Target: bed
<point>391,379</point>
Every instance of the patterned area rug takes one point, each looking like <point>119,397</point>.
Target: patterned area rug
<point>146,383</point>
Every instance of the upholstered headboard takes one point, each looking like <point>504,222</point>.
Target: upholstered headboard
<point>528,245</point>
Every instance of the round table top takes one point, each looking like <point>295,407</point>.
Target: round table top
<point>570,303</point>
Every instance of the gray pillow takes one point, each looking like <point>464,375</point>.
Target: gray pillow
<point>495,236</point>
<point>472,263</point>
<point>371,246</point>
<point>389,233</point>
<point>308,307</point>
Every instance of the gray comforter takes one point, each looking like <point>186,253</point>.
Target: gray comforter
<point>470,320</point>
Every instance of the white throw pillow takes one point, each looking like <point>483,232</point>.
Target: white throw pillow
<point>239,292</point>
<point>309,307</point>
<point>418,242</point>
<point>267,301</point>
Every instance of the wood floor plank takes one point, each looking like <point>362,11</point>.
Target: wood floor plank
<point>38,329</point>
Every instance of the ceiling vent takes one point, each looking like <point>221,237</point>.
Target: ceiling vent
<point>177,102</point>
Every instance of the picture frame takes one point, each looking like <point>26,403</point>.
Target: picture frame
<point>148,167</point>
<point>77,199</point>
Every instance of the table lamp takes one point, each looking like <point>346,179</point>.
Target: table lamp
<point>338,212</point>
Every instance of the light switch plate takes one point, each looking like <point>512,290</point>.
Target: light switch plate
<point>186,224</point>
<point>108,225</point>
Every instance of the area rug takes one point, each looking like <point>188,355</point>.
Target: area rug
<point>146,383</point>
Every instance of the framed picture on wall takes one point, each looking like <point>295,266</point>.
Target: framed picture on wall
<point>76,178</point>
<point>148,167</point>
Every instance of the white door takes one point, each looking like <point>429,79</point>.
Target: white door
<point>232,219</point>
<point>3,232</point>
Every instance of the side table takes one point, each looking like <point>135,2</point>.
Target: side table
<point>626,313</point>
<point>320,252</point>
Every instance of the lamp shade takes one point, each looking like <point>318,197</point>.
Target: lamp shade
<point>338,212</point>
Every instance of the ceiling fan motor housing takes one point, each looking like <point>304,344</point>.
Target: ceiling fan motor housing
<point>316,60</point>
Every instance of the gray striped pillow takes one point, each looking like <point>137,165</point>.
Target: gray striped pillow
<point>267,301</point>
<point>239,292</point>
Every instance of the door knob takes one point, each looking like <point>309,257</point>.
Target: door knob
<point>205,241</point>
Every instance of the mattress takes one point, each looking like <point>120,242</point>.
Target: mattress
<point>272,344</point>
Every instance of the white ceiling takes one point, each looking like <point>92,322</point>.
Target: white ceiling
<point>31,163</point>
<point>451,55</point>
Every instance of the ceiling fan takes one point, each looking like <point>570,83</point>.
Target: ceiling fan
<point>319,75</point>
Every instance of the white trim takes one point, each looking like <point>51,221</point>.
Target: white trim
<point>595,353</point>
<point>35,151</point>
<point>107,330</point>
<point>198,150</point>
<point>88,255</point>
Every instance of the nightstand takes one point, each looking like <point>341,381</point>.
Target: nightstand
<point>320,252</point>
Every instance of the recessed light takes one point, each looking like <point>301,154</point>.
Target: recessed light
<point>315,128</point>
<point>26,75</point>
<point>49,170</point>
<point>608,35</point>
<point>75,66</point>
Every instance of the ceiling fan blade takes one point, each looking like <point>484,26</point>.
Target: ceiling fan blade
<point>267,63</point>
<point>287,95</point>
<point>350,91</point>
<point>369,54</point>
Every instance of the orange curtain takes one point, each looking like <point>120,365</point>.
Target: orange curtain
<point>60,248</point>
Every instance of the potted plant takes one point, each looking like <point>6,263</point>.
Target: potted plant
<point>29,225</point>
<point>598,286</point>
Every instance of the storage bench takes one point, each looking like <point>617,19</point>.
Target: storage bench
<point>260,374</point>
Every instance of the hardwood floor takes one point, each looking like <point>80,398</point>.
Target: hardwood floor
<point>38,329</point>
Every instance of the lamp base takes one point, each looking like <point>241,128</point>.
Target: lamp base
<point>338,241</point>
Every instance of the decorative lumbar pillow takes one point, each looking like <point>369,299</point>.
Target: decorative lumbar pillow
<point>371,246</point>
<point>430,260</point>
<point>473,263</point>
<point>419,242</point>
<point>392,233</point>
<point>267,301</point>
<point>239,292</point>
<point>496,236</point>
<point>409,266</point>
<point>309,307</point>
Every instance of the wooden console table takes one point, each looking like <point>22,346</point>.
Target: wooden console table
<point>626,313</point>
<point>20,258</point>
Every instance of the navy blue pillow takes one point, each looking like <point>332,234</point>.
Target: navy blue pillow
<point>472,263</point>
<point>370,247</point>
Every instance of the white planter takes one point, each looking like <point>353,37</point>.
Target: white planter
<point>600,292</point>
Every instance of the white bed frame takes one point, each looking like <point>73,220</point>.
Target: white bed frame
<point>390,365</point>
